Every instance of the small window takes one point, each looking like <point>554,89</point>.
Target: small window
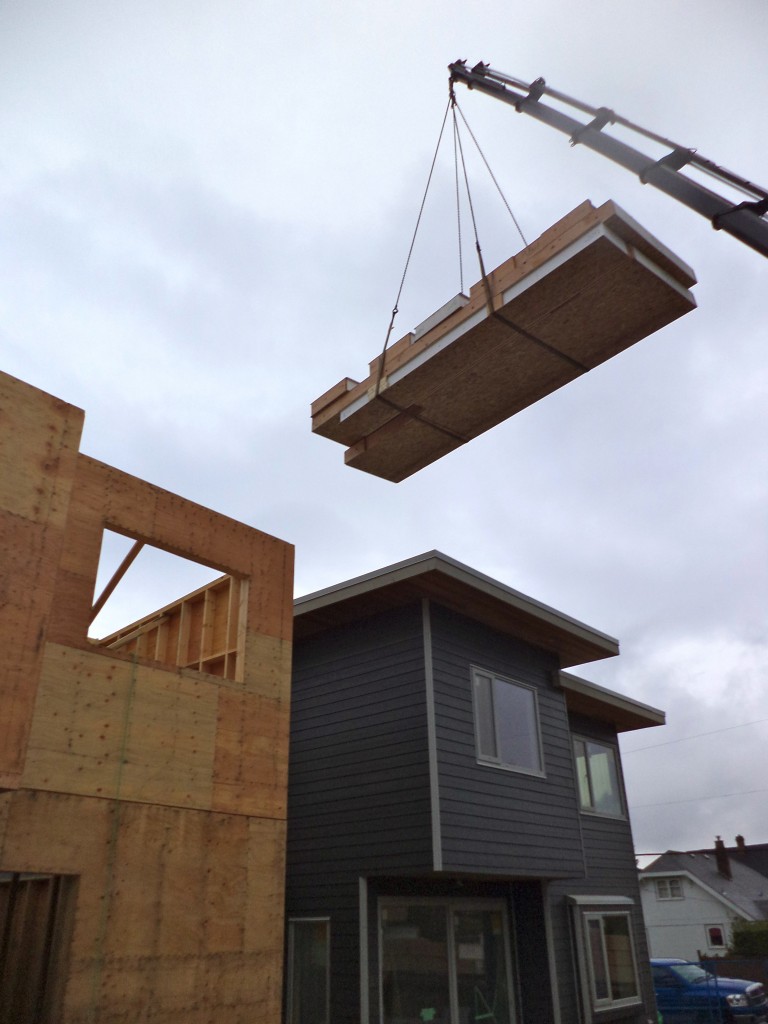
<point>598,778</point>
<point>610,959</point>
<point>669,889</point>
<point>308,971</point>
<point>506,723</point>
<point>715,936</point>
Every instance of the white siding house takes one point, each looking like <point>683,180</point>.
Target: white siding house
<point>691,900</point>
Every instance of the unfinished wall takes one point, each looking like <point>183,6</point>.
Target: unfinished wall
<point>157,785</point>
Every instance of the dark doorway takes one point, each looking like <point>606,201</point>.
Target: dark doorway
<point>34,934</point>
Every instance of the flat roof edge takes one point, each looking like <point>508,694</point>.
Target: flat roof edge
<point>434,560</point>
<point>611,698</point>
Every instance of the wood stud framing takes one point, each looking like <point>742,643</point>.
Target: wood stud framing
<point>201,631</point>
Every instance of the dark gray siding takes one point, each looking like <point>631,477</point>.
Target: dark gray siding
<point>494,820</point>
<point>359,800</point>
<point>358,779</point>
<point>611,871</point>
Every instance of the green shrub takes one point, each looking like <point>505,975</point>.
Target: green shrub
<point>750,938</point>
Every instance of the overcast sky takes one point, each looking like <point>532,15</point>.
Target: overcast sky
<point>206,209</point>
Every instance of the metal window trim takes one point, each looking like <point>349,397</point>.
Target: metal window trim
<point>601,915</point>
<point>592,906</point>
<point>365,1007</point>
<point>434,769</point>
<point>496,762</point>
<point>614,750</point>
<point>549,937</point>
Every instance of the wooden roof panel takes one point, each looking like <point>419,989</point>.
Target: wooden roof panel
<point>591,286</point>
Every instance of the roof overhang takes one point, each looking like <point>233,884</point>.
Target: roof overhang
<point>625,714</point>
<point>455,586</point>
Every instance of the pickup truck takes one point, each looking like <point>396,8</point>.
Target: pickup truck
<point>687,994</point>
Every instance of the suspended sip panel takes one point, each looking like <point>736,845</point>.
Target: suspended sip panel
<point>592,285</point>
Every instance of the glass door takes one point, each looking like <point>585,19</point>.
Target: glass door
<point>482,977</point>
<point>444,962</point>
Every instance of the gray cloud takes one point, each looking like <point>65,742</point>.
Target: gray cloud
<point>205,217</point>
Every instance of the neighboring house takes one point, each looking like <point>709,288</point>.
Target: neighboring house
<point>691,901</point>
<point>143,779</point>
<point>458,843</point>
<point>754,855</point>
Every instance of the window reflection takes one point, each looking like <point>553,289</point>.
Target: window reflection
<point>444,963</point>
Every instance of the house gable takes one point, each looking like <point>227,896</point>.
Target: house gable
<point>684,925</point>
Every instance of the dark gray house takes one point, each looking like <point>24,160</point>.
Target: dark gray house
<point>458,843</point>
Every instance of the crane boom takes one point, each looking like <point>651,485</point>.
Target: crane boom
<point>745,221</point>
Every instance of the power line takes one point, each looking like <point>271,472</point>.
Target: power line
<point>695,736</point>
<point>692,799</point>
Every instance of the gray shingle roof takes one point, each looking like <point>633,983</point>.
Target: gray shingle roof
<point>746,889</point>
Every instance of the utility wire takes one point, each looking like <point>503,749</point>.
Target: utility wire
<point>696,799</point>
<point>695,736</point>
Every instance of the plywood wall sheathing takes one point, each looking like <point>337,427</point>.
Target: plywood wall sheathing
<point>150,770</point>
<point>193,929</point>
<point>588,288</point>
<point>39,440</point>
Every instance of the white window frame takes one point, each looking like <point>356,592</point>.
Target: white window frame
<point>485,758</point>
<point>665,888</point>
<point>591,908</point>
<point>708,932</point>
<point>590,808</point>
<point>290,990</point>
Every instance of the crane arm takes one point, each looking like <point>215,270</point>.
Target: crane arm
<point>745,221</point>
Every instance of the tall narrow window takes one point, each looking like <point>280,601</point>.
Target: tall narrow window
<point>604,932</point>
<point>308,971</point>
<point>506,723</point>
<point>597,774</point>
<point>611,959</point>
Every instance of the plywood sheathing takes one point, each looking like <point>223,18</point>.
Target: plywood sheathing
<point>104,497</point>
<point>161,789</point>
<point>108,728</point>
<point>39,440</point>
<point>591,286</point>
<point>184,925</point>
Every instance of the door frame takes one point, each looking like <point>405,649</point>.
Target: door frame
<point>451,904</point>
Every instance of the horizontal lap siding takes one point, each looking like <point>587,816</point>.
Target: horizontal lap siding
<point>358,794</point>
<point>494,820</point>
<point>611,871</point>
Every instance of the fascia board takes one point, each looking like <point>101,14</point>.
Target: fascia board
<point>436,561</point>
